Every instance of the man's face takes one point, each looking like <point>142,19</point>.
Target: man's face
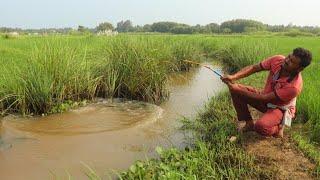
<point>291,63</point>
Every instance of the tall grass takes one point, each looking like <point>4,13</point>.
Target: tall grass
<point>51,70</point>
<point>50,75</point>
<point>131,70</point>
<point>40,72</point>
<point>238,54</point>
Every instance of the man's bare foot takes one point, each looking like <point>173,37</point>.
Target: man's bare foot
<point>245,127</point>
<point>233,138</point>
<point>280,132</point>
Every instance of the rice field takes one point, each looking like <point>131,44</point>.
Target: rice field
<point>39,73</point>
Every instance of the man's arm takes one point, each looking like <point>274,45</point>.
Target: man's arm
<point>244,72</point>
<point>259,97</point>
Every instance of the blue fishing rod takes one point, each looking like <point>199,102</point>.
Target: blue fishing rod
<point>216,72</point>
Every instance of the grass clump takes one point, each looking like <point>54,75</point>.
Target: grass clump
<point>310,150</point>
<point>130,70</point>
<point>49,71</point>
<point>243,53</point>
<point>51,74</point>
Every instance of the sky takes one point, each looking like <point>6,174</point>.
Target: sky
<point>71,13</point>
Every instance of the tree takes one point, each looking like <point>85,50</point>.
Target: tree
<point>213,27</point>
<point>182,29</point>
<point>226,30</point>
<point>104,26</point>
<point>147,28</point>
<point>239,25</point>
<point>124,26</point>
<point>82,29</point>
<point>163,26</point>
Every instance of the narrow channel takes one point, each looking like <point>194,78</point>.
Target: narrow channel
<point>107,135</point>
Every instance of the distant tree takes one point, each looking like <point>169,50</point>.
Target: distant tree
<point>239,25</point>
<point>163,26</point>
<point>276,28</point>
<point>226,30</point>
<point>213,27</point>
<point>250,29</point>
<point>196,28</point>
<point>182,29</point>
<point>137,28</point>
<point>82,29</point>
<point>147,28</point>
<point>310,29</point>
<point>8,29</point>
<point>204,30</point>
<point>104,26</point>
<point>124,26</point>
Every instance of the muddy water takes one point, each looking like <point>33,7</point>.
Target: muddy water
<point>109,134</point>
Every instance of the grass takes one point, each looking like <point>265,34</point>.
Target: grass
<point>41,73</point>
<point>310,150</point>
<point>48,71</point>
<point>213,126</point>
<point>211,156</point>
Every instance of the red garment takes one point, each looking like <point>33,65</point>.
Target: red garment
<point>285,89</point>
<point>268,124</point>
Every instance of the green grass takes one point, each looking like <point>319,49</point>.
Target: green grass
<point>309,149</point>
<point>213,126</point>
<point>211,156</point>
<point>41,73</point>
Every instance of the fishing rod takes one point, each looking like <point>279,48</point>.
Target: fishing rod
<point>216,72</point>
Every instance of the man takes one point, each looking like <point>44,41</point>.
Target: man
<point>277,100</point>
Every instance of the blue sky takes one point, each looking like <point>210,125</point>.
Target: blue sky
<point>89,13</point>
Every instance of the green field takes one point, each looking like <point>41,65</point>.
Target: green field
<point>41,73</point>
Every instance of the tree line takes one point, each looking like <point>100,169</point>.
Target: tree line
<point>231,26</point>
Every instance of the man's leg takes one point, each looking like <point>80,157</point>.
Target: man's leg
<point>241,103</point>
<point>268,124</point>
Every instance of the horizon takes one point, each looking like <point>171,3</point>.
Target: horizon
<point>71,14</point>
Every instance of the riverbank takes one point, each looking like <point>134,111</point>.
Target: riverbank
<point>215,125</point>
<point>78,68</point>
<point>213,156</point>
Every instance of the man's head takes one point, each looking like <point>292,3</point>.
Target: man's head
<point>297,60</point>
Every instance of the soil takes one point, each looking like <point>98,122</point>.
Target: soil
<point>278,155</point>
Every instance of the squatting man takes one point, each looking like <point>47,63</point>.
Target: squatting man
<point>277,101</point>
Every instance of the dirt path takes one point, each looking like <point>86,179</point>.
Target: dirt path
<point>279,155</point>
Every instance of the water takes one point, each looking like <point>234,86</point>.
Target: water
<point>109,134</point>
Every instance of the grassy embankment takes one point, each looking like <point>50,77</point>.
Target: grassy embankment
<point>212,156</point>
<point>308,115</point>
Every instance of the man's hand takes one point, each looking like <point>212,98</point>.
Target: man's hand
<point>233,86</point>
<point>227,78</point>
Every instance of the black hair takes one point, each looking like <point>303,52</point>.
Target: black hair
<point>304,55</point>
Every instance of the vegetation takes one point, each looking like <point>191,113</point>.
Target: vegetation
<point>37,76</point>
<point>40,76</point>
<point>210,121</point>
<point>243,25</point>
<point>228,27</point>
<point>104,27</point>
<point>212,156</point>
<point>310,150</point>
<point>125,26</point>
